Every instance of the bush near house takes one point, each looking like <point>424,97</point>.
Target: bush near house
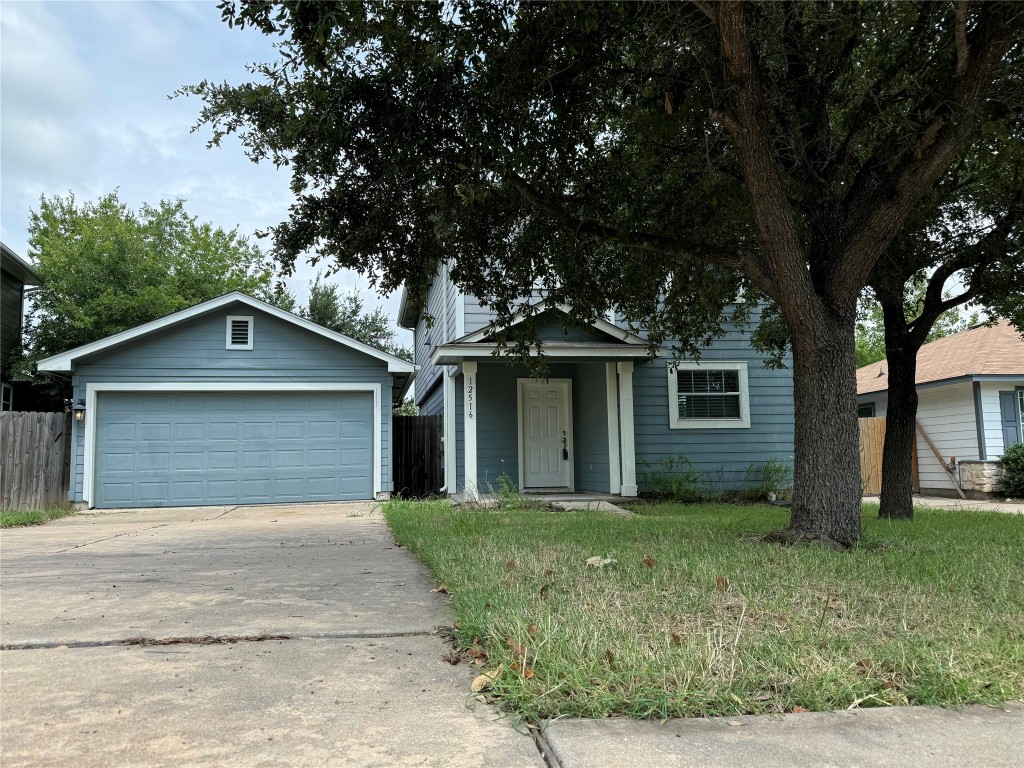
<point>1013,471</point>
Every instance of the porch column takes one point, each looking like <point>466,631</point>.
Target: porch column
<point>450,445</point>
<point>469,427</point>
<point>611,379</point>
<point>626,428</point>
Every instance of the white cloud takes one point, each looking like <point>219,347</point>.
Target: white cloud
<point>84,108</point>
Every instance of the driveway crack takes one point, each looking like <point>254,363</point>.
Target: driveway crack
<point>108,538</point>
<point>141,640</point>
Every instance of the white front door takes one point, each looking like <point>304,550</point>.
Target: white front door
<point>545,434</point>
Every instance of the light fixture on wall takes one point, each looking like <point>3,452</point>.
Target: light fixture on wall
<point>79,410</point>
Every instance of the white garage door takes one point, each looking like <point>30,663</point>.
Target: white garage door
<point>185,449</point>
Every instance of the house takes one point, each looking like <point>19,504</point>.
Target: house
<point>607,416</point>
<point>232,401</point>
<point>970,388</point>
<point>15,274</point>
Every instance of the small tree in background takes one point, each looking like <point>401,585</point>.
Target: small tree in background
<point>107,268</point>
<point>344,313</point>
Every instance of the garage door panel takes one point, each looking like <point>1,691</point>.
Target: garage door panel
<point>155,450</point>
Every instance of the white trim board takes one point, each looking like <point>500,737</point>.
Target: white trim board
<point>93,390</point>
<point>453,354</point>
<point>64,362</point>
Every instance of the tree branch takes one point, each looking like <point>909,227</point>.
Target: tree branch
<point>881,215</point>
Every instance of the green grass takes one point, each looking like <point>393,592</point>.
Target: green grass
<point>923,612</point>
<point>9,518</point>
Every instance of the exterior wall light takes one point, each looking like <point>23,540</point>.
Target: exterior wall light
<point>79,410</point>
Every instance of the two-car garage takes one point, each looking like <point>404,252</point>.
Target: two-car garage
<point>198,448</point>
<point>232,401</point>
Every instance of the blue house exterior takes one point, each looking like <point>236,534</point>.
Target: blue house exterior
<point>607,414</point>
<point>232,401</point>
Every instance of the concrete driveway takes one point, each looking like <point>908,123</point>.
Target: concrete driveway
<point>232,636</point>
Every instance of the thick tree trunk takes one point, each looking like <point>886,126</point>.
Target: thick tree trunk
<point>826,472</point>
<point>900,427</point>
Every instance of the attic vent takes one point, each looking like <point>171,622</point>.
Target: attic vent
<point>239,332</point>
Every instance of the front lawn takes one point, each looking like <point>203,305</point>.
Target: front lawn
<point>696,617</point>
<point>9,518</point>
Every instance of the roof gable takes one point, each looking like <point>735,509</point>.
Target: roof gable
<point>64,362</point>
<point>996,350</point>
<point>547,318</point>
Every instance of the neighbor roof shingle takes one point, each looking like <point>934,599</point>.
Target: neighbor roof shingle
<point>977,351</point>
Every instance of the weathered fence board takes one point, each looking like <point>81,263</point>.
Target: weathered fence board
<point>417,466</point>
<point>872,440</point>
<point>35,452</point>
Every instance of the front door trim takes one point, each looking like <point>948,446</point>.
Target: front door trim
<point>566,385</point>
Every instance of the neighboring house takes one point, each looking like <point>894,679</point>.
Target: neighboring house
<point>15,274</point>
<point>232,401</point>
<point>970,389</point>
<point>607,414</point>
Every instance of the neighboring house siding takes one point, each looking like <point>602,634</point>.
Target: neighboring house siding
<point>722,456</point>
<point>880,399</point>
<point>11,292</point>
<point>591,440</point>
<point>947,415</point>
<point>476,315</point>
<point>194,351</point>
<point>992,414</point>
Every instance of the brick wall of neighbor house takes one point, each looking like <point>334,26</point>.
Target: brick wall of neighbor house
<point>946,413</point>
<point>982,477</point>
<point>194,351</point>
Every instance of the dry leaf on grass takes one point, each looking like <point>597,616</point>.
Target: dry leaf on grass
<point>442,589</point>
<point>799,710</point>
<point>511,564</point>
<point>532,630</point>
<point>484,681</point>
<point>649,561</point>
<point>722,583</point>
<point>600,562</point>
<point>517,649</point>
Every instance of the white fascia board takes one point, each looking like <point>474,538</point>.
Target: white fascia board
<point>63,362</point>
<point>600,324</point>
<point>453,354</point>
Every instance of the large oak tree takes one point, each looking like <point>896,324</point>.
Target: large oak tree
<point>654,156</point>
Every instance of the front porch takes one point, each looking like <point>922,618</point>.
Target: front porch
<point>566,438</point>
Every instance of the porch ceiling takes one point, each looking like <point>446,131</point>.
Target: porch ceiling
<point>575,351</point>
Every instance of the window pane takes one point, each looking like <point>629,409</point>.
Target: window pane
<point>709,406</point>
<point>707,381</point>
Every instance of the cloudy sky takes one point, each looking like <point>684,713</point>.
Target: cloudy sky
<point>84,108</point>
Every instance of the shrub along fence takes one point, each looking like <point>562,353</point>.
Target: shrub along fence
<point>35,458</point>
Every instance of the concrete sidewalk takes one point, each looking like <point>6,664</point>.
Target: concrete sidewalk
<point>939,502</point>
<point>903,737</point>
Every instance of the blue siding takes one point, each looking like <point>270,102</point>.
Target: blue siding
<point>194,351</point>
<point>591,414</point>
<point>722,455</point>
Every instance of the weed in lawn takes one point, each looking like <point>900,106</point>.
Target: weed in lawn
<point>695,619</point>
<point>10,518</point>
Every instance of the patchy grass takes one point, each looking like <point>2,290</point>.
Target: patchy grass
<point>9,518</point>
<point>697,617</point>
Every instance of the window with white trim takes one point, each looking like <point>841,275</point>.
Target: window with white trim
<point>706,395</point>
<point>239,332</point>
<point>7,402</point>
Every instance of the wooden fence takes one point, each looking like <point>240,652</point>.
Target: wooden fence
<point>35,458</point>
<point>872,439</point>
<point>417,463</point>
